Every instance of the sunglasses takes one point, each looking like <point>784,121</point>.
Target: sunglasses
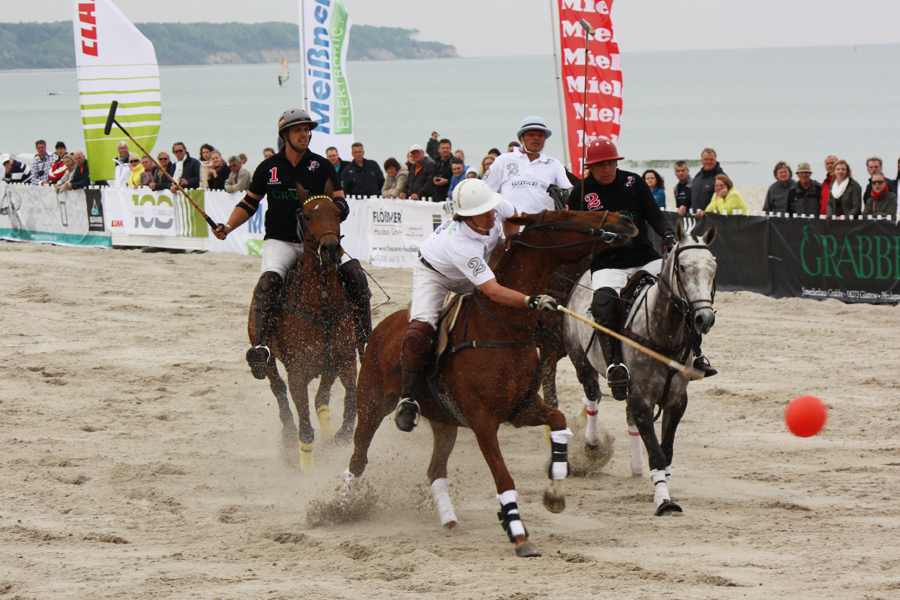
<point>134,162</point>
<point>879,182</point>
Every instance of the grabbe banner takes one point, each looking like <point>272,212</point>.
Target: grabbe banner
<point>146,212</point>
<point>398,227</point>
<point>598,71</point>
<point>39,214</point>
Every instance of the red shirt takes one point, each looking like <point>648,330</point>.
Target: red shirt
<point>826,191</point>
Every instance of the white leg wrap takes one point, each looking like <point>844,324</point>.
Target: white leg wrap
<point>637,450</point>
<point>669,474</point>
<point>515,527</point>
<point>660,486</point>
<point>559,469</point>
<point>441,495</point>
<point>592,429</point>
<point>348,488</point>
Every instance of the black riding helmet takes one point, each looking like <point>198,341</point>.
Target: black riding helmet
<point>295,116</point>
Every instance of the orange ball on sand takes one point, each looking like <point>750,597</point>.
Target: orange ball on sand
<point>805,416</point>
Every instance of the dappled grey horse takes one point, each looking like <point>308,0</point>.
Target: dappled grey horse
<point>665,317</point>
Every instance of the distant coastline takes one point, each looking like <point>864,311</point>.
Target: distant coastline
<point>30,46</point>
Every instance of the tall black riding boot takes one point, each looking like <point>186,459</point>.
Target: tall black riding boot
<point>414,352</point>
<point>605,308</point>
<point>701,363</point>
<point>356,286</point>
<point>263,318</point>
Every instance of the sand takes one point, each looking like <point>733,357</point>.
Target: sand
<point>141,460</point>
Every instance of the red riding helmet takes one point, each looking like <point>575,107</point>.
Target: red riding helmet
<point>602,149</point>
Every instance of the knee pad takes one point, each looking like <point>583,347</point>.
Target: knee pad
<point>605,306</point>
<point>265,295</point>
<point>416,346</point>
<point>355,281</point>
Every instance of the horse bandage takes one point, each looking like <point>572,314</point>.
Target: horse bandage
<point>559,444</point>
<point>509,515</point>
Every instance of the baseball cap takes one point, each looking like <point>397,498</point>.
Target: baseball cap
<point>803,168</point>
<point>4,158</point>
<point>417,147</point>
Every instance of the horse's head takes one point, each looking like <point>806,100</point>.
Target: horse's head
<point>575,234</point>
<point>690,272</point>
<point>319,229</point>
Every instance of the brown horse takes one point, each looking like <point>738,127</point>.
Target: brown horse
<point>494,378</point>
<point>315,335</point>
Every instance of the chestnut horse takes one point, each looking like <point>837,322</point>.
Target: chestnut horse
<point>492,370</point>
<point>315,335</point>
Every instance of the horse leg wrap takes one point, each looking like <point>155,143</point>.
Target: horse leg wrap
<point>348,488</point>
<point>592,428</point>
<point>509,515</point>
<point>669,475</point>
<point>559,444</point>
<point>307,462</point>
<point>637,451</point>
<point>323,413</point>
<point>660,486</point>
<point>441,495</point>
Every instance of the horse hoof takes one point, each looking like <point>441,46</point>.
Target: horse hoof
<point>591,449</point>
<point>344,435</point>
<point>526,550</point>
<point>668,508</point>
<point>553,503</point>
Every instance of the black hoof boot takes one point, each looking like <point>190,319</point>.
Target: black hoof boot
<point>618,378</point>
<point>257,358</point>
<point>701,363</point>
<point>407,416</point>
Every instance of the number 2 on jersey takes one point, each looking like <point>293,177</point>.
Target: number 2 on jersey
<point>477,266</point>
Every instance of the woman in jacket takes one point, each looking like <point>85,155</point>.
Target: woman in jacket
<point>137,169</point>
<point>845,195</point>
<point>395,182</point>
<point>657,186</point>
<point>67,176</point>
<point>726,199</point>
<point>777,196</point>
<point>882,202</point>
<point>149,174</point>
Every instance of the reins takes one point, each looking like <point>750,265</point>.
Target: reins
<point>598,234</point>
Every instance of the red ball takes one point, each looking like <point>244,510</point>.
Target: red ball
<point>805,416</point>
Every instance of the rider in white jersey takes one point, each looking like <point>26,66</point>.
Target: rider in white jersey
<point>455,258</point>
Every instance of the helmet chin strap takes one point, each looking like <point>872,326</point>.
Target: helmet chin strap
<point>472,224</point>
<point>296,149</point>
<point>525,150</point>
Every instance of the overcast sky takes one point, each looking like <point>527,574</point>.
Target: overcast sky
<point>498,27</point>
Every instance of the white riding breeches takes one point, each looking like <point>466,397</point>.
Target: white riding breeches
<point>428,292</point>
<point>618,278</point>
<point>280,256</point>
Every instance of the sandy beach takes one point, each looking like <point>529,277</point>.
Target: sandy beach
<point>141,460</point>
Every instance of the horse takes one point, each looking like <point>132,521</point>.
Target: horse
<point>315,334</point>
<point>491,370</point>
<point>666,317</point>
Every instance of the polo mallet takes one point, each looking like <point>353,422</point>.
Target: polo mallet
<point>109,123</point>
<point>588,32</point>
<point>691,372</point>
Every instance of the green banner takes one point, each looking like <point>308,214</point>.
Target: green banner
<point>343,112</point>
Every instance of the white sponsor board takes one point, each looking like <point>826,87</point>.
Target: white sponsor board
<point>398,227</point>
<point>246,239</point>
<point>39,214</point>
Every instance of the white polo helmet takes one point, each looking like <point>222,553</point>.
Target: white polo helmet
<point>473,197</point>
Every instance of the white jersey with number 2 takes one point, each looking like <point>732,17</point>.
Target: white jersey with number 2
<point>524,182</point>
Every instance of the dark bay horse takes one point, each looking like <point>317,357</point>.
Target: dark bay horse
<point>315,335</point>
<point>665,318</point>
<point>491,383</point>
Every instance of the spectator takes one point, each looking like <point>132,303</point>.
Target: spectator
<point>873,165</point>
<point>243,158</point>
<point>160,181</point>
<point>777,196</point>
<point>420,178</point>
<point>334,158</point>
<point>461,155</point>
<point>149,174</point>
<point>826,185</point>
<point>898,170</point>
<point>494,152</point>
<point>845,195</point>
<point>239,177</point>
<point>657,186</point>
<point>59,168</point>
<point>458,166</point>
<point>803,198</point>
<point>486,163</point>
<point>443,170</point>
<point>217,172</point>
<point>683,187</point>
<point>882,202</point>
<point>363,177</point>
<point>42,164</point>
<point>69,164</point>
<point>187,169</point>
<point>702,188</point>
<point>431,148</point>
<point>471,173</point>
<point>61,149</point>
<point>81,175</point>
<point>513,146</point>
<point>123,168</point>
<point>725,199</point>
<point>137,169</point>
<point>15,172</point>
<point>397,174</point>
<point>205,163</point>
<point>268,153</point>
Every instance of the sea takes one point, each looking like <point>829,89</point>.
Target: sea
<point>755,107</point>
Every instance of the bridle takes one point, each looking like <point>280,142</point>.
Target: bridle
<point>597,234</point>
<point>681,300</point>
<point>306,237</point>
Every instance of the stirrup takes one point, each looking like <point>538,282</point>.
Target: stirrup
<point>407,415</point>
<point>701,363</point>
<point>258,358</point>
<point>618,377</point>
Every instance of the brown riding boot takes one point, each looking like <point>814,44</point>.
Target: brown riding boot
<point>605,308</point>
<point>356,286</point>
<point>414,353</point>
<point>263,318</point>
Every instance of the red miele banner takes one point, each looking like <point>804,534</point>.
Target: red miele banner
<point>601,114</point>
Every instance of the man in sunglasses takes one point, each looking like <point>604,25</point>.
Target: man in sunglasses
<point>187,169</point>
<point>882,202</point>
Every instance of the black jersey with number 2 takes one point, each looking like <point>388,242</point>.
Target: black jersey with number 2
<point>276,179</point>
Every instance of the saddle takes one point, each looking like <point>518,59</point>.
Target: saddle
<point>638,285</point>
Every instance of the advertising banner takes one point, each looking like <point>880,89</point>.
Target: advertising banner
<point>114,61</point>
<point>397,227</point>
<point>157,213</point>
<point>596,71</point>
<point>324,37</point>
<point>246,239</point>
<point>39,214</point>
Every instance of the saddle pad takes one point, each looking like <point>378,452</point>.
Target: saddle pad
<point>447,320</point>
